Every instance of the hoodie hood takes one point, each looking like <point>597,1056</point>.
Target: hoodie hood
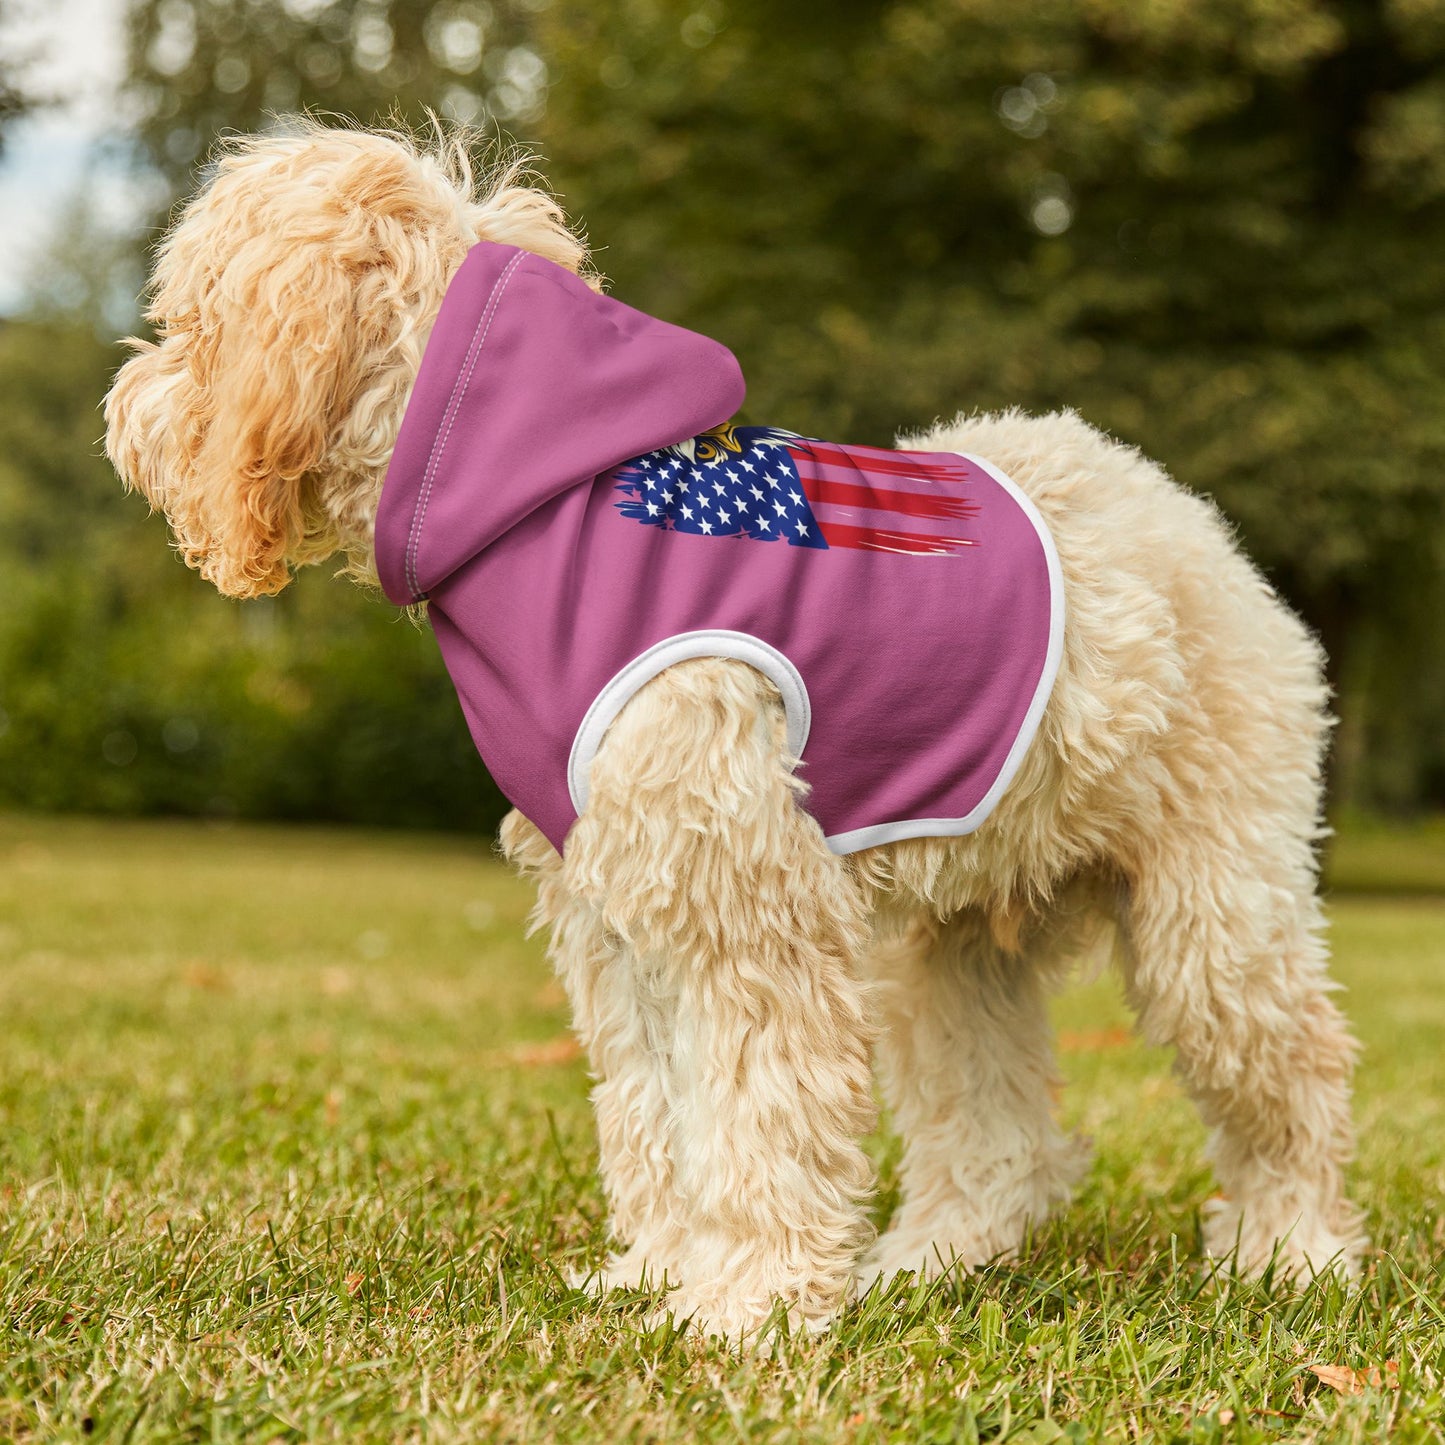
<point>531,385</point>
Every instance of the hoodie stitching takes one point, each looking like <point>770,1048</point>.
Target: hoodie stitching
<point>479,340</point>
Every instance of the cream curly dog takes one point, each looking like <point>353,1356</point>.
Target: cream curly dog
<point>730,974</point>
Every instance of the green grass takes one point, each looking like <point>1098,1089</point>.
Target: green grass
<point>284,1155</point>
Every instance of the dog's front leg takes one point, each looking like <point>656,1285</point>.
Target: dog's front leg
<point>622,1015</point>
<point>735,933</point>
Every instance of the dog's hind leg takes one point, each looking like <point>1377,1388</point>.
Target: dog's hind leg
<point>1225,961</point>
<point>1224,950</point>
<point>966,1059</point>
<point>742,930</point>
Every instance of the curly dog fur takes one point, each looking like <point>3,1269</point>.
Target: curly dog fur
<point>730,977</point>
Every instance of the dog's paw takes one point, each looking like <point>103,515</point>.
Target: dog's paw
<point>1298,1245</point>
<point>965,1228</point>
<point>753,1324</point>
<point>632,1270</point>
<point>956,1243</point>
<point>898,1254</point>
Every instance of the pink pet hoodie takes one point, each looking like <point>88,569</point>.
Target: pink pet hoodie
<point>567,496</point>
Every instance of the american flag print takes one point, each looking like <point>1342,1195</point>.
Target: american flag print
<point>768,485</point>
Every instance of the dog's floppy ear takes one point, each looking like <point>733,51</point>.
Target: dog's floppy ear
<point>297,273</point>
<point>292,301</point>
<point>220,422</point>
<point>275,350</point>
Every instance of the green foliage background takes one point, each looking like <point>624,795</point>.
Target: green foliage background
<point>1215,228</point>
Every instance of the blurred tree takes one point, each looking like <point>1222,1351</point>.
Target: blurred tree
<point>1216,229</point>
<point>58,495</point>
<point>127,685</point>
<point>15,98</point>
<point>202,67</point>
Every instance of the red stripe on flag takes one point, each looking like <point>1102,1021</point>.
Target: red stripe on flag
<point>882,539</point>
<point>923,465</point>
<point>886,499</point>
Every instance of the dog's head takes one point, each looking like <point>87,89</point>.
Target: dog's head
<point>291,302</point>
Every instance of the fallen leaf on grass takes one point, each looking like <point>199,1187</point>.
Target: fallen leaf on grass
<point>335,982</point>
<point>551,995</point>
<point>354,1283</point>
<point>554,1051</point>
<point>1092,1042</point>
<point>1346,1381</point>
<point>204,976</point>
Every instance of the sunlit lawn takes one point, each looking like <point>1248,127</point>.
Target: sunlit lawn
<point>292,1146</point>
